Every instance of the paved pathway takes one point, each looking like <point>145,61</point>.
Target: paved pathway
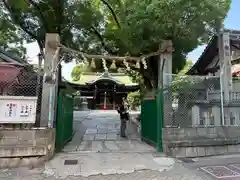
<point>210,168</point>
<point>101,134</point>
<point>100,149</point>
<point>176,173</point>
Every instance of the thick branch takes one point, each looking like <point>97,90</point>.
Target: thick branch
<point>102,40</point>
<point>41,46</point>
<point>112,12</point>
<point>60,16</point>
<point>146,78</point>
<point>18,21</point>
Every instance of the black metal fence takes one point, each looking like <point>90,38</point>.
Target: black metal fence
<point>191,101</point>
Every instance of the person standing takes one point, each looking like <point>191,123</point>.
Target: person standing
<point>124,117</point>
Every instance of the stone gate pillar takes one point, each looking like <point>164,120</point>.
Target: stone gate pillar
<point>49,90</point>
<point>226,74</point>
<point>165,80</point>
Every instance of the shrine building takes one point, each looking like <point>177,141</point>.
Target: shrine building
<point>104,90</point>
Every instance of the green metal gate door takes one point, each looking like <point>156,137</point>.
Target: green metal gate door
<point>64,126</point>
<point>149,121</point>
<point>152,120</point>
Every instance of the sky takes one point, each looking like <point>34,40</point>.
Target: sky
<point>232,21</point>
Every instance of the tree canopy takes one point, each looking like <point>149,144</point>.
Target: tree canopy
<point>11,39</point>
<point>121,26</point>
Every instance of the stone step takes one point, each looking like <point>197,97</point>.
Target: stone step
<point>20,147</point>
<point>23,151</point>
<point>8,141</point>
<point>32,162</point>
<point>26,137</point>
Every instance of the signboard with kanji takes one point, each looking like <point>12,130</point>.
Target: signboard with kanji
<point>17,109</point>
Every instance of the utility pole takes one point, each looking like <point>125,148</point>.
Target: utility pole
<point>50,80</point>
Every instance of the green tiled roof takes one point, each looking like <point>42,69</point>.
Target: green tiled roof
<point>119,78</point>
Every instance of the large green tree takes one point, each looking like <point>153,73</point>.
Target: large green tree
<point>11,39</point>
<point>122,26</point>
<point>77,22</point>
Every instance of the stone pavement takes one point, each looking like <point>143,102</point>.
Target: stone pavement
<point>178,172</point>
<point>98,131</point>
<point>209,168</point>
<point>100,149</point>
<point>89,164</point>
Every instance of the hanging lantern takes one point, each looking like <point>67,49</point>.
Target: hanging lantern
<point>93,65</point>
<point>137,65</point>
<point>144,63</point>
<point>113,65</point>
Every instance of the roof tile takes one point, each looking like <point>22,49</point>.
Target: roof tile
<point>117,77</point>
